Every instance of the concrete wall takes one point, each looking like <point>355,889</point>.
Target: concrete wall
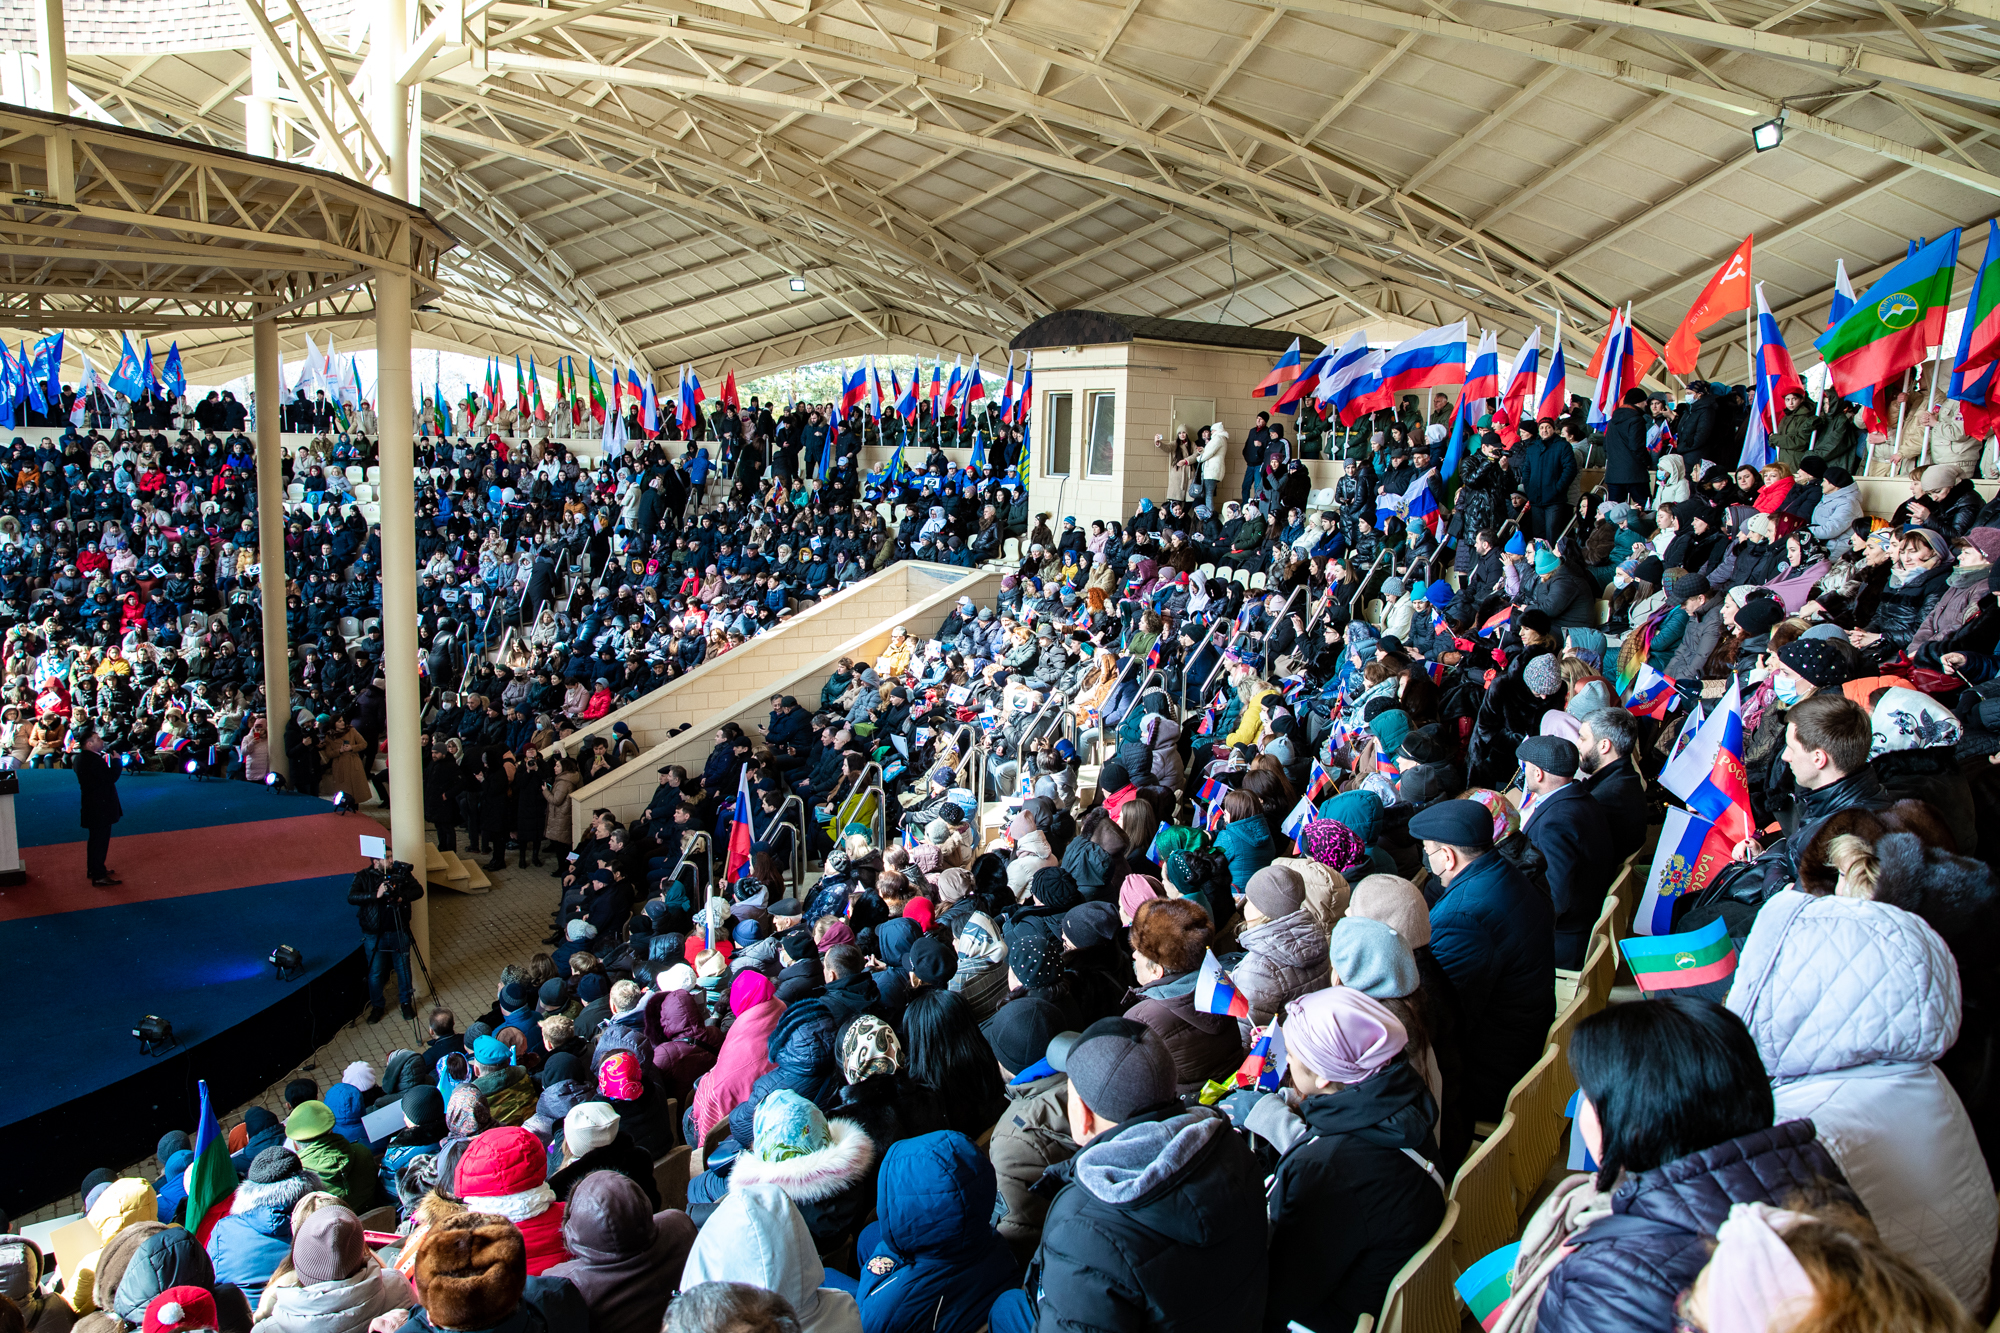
<point>924,595</point>
<point>761,663</point>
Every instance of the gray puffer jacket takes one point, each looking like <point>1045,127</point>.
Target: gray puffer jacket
<point>1286,958</point>
<point>1851,1002</point>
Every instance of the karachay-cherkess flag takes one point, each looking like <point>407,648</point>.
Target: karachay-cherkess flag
<point>1895,322</point>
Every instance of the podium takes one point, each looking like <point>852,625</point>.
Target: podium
<point>12,872</point>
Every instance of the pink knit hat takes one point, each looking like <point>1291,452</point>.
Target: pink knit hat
<point>1135,890</point>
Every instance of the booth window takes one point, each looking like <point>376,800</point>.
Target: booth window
<point>1103,434</point>
<point>1061,415</point>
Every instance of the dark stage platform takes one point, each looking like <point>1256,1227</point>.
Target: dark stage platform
<point>216,875</point>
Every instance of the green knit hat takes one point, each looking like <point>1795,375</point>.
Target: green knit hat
<point>308,1121</point>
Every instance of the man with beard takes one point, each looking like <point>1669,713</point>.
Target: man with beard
<point>1604,766</point>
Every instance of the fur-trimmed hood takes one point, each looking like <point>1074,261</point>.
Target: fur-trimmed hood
<point>277,1195</point>
<point>839,1166</point>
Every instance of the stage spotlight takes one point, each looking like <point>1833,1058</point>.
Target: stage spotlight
<point>1770,134</point>
<point>275,781</point>
<point>193,766</point>
<point>341,803</point>
<point>288,962</point>
<point>155,1034</point>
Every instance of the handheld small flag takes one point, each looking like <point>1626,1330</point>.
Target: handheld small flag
<point>1689,855</point>
<point>1317,781</point>
<point>1674,962</point>
<point>1652,695</point>
<point>1214,993</point>
<point>1486,1285</point>
<point>1214,821</point>
<point>1211,791</point>
<point>1295,823</point>
<point>1264,1069</point>
<point>1498,621</point>
<point>1709,774</point>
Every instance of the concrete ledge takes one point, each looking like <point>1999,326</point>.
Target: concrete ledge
<point>768,659</point>
<point>927,600</point>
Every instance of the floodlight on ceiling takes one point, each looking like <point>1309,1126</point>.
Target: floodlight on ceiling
<point>1770,134</point>
<point>797,284</point>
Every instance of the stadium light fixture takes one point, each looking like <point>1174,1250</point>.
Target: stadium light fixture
<point>1770,134</point>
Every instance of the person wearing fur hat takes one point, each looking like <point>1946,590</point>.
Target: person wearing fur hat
<point>1355,1193</point>
<point>247,1246</point>
<point>1169,940</point>
<point>1285,948</point>
<point>505,1171</point>
<point>471,1276</point>
<point>335,1283</point>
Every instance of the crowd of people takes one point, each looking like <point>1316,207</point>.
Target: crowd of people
<point>1378,767</point>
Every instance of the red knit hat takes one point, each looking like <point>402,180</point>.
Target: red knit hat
<point>180,1308</point>
<point>504,1160</point>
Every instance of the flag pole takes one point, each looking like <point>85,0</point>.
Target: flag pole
<point>1930,409</point>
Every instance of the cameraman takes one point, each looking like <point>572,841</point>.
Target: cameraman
<point>384,890</point>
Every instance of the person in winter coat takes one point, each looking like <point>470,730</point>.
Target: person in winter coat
<point>1160,1220</point>
<point>1494,935</point>
<point>756,1236</point>
<point>470,1272</point>
<point>344,1100</point>
<point>1839,505</point>
<point>824,1166</point>
<point>505,1171</point>
<point>1851,1002</point>
<point>1285,948</point>
<point>1245,837</point>
<point>684,1045</point>
<point>1676,1110</point>
<point>122,1204</point>
<point>742,1059</point>
<point>424,1129</point>
<point>628,1257</point>
<point>1169,939</point>
<point>1353,1196</point>
<point>594,1140</point>
<point>247,1246</point>
<point>340,1286</point>
<point>265,1131</point>
<point>936,1264</point>
<point>345,1170</point>
<point>1544,467</point>
<point>1627,460</point>
<point>167,1257</point>
<point>1033,1133</point>
<point>22,1267</point>
<point>1920,579</point>
<point>1564,593</point>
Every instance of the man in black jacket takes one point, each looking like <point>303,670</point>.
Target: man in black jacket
<point>1604,747</point>
<point>1159,1223</point>
<point>1627,462</point>
<point>97,781</point>
<point>383,891</point>
<point>1567,829</point>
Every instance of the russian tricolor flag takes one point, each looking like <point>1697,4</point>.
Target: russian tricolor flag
<point>1308,380</point>
<point>1350,377</point>
<point>1214,993</point>
<point>1517,388</point>
<point>1007,391</point>
<point>1420,505</point>
<point>1709,773</point>
<point>1776,377</point>
<point>1482,382</point>
<point>1026,402</point>
<point>1435,356</point>
<point>739,830</point>
<point>853,389</point>
<point>1653,695</point>
<point>906,399</point>
<point>1555,389</point>
<point>1282,374</point>
<point>951,389</point>
<point>937,383</point>
<point>1265,1068</point>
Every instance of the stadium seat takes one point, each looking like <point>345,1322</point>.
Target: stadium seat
<point>355,474</point>
<point>1484,1193</point>
<point>1536,1107</point>
<point>1260,580</point>
<point>374,475</point>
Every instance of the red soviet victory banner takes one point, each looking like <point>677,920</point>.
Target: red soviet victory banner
<point>1727,292</point>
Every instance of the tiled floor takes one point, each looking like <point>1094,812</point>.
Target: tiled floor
<point>472,937</point>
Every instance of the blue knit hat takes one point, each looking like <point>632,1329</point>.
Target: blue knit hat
<point>1440,593</point>
<point>1517,544</point>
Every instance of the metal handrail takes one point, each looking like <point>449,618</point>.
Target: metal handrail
<point>1209,633</point>
<point>706,841</point>
<point>1283,611</point>
<point>861,784</point>
<point>799,842</point>
<point>968,755</point>
<point>1221,659</point>
<point>1057,702</point>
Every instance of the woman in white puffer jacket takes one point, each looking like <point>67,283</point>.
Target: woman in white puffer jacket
<point>1851,1002</point>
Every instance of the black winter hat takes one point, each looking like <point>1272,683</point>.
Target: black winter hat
<point>932,960</point>
<point>274,1164</point>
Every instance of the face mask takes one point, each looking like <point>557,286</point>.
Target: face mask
<point>1621,579</point>
<point>1785,689</point>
